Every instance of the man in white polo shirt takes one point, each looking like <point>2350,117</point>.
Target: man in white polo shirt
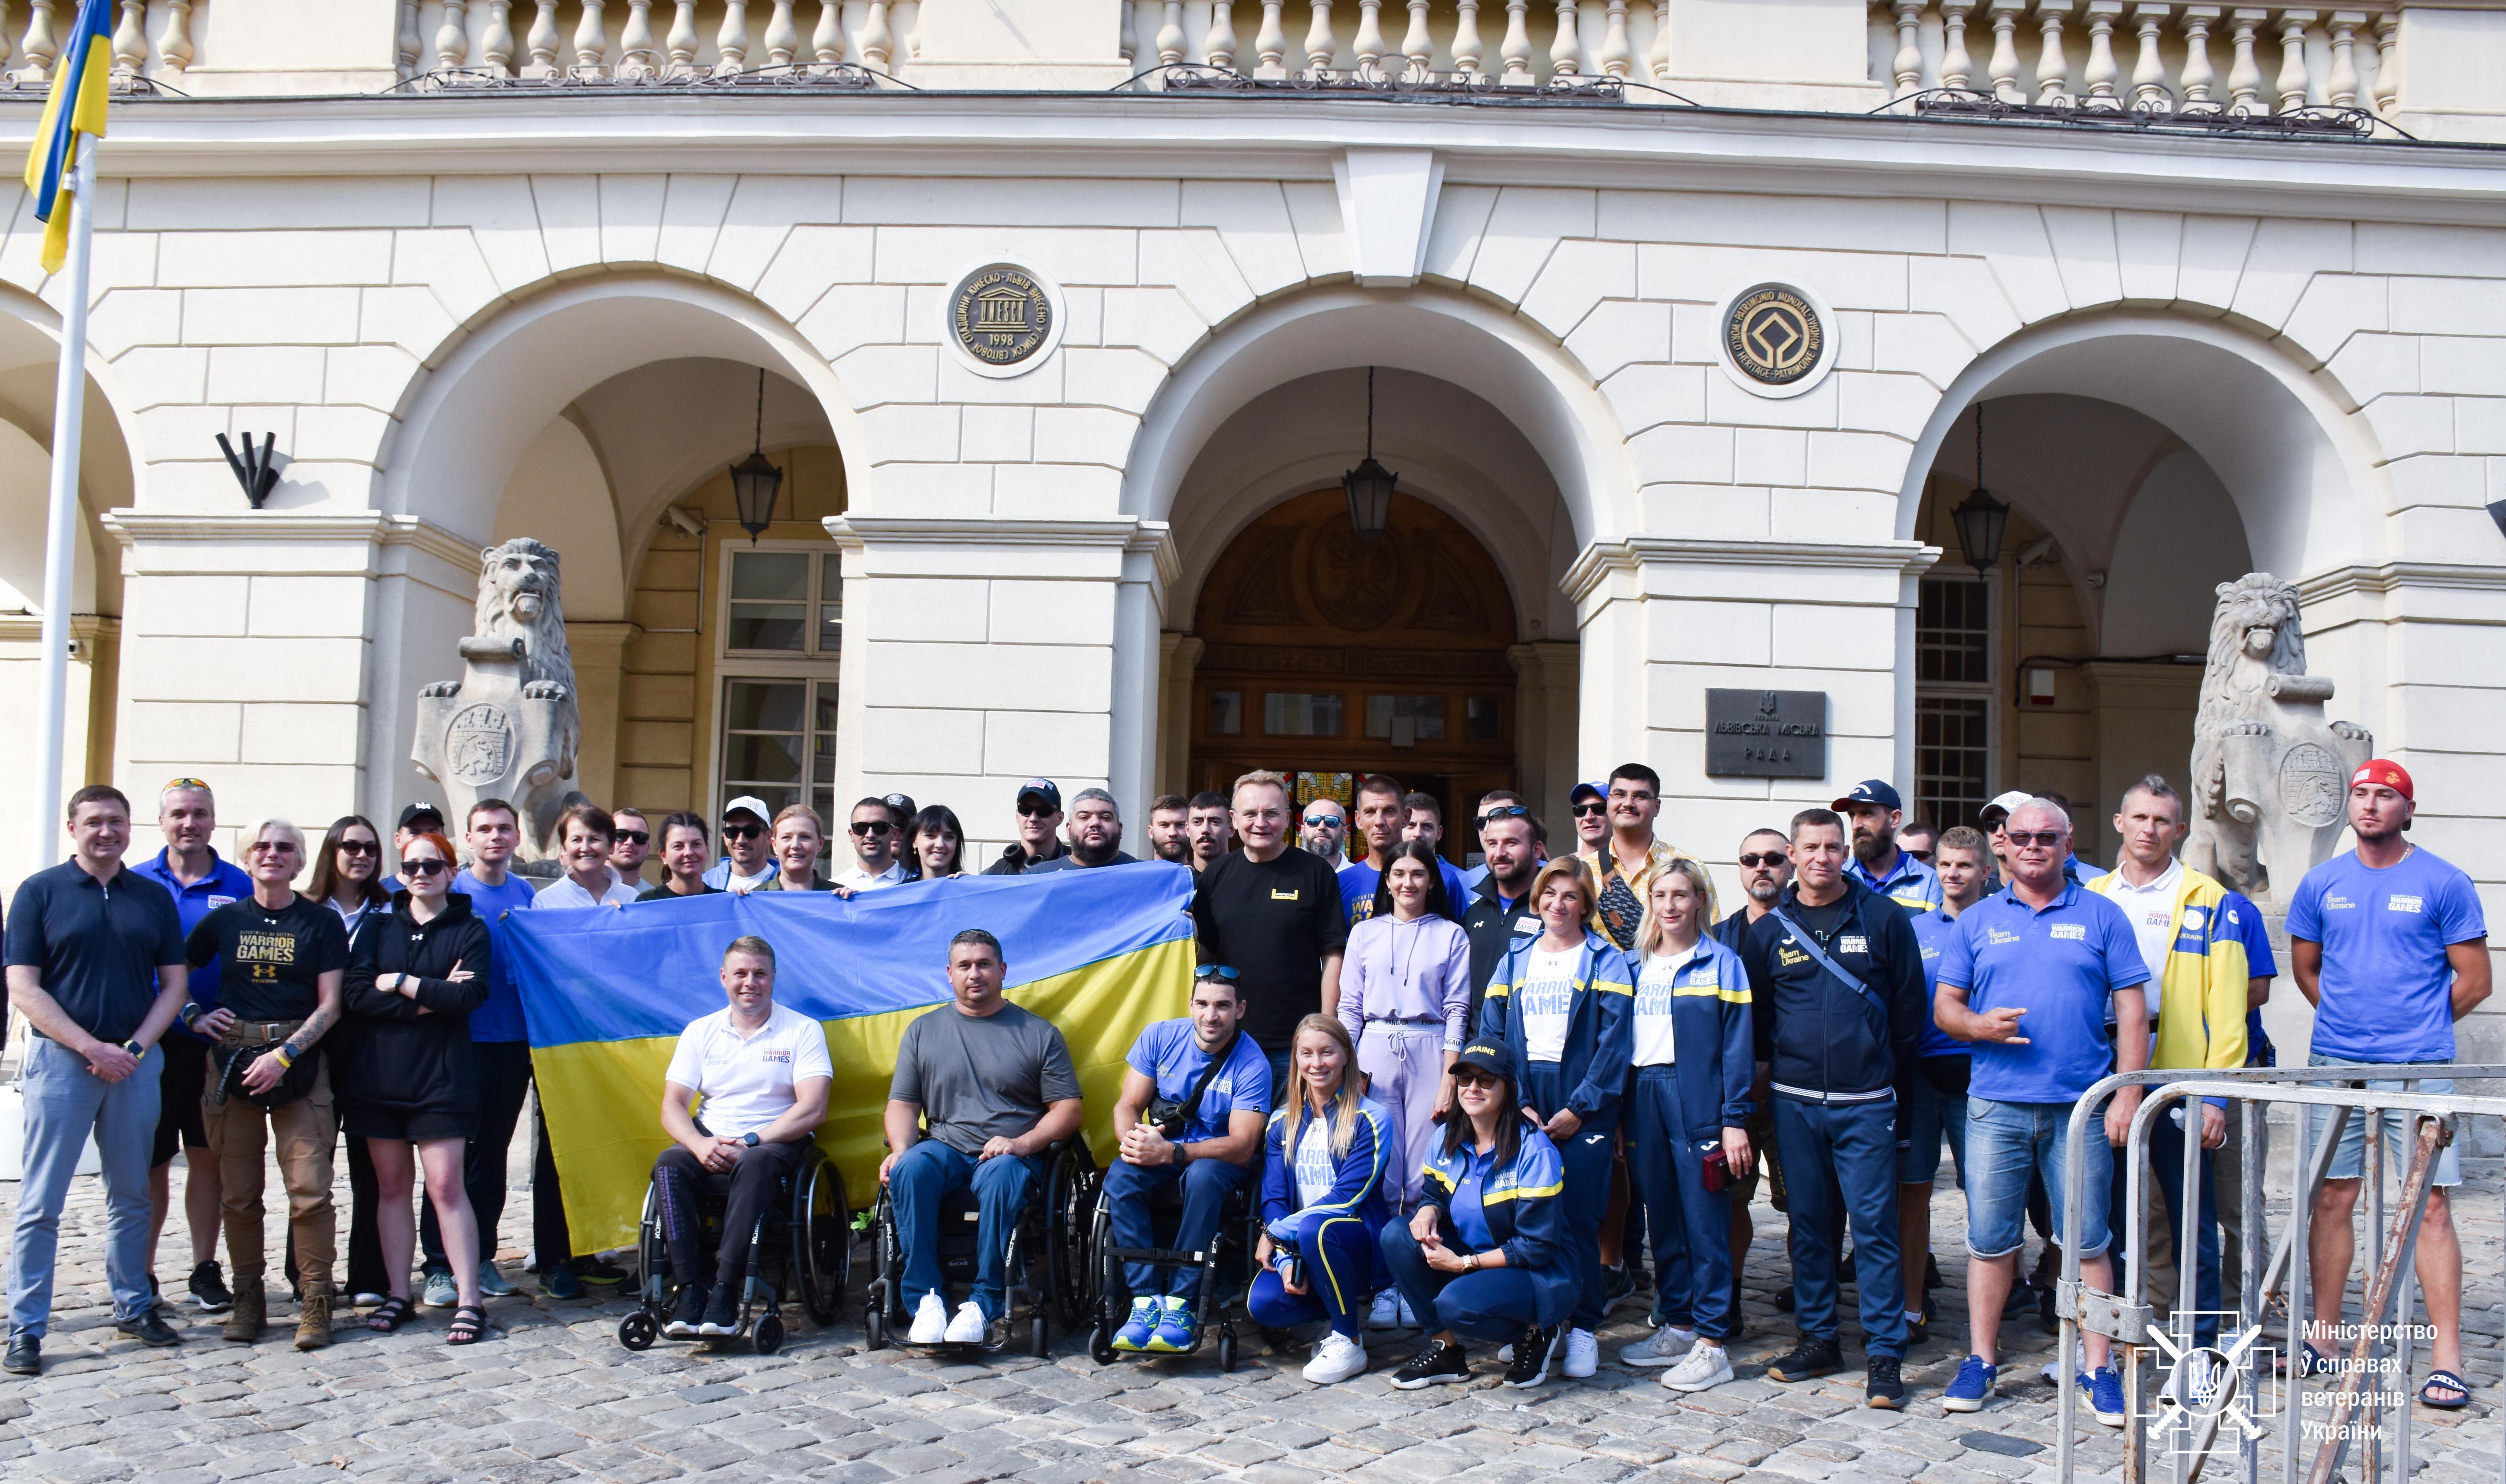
<point>763,1072</point>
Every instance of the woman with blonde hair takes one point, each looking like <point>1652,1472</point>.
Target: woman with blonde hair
<point>1322,1201</point>
<point>1558,1004</point>
<point>1688,1109</point>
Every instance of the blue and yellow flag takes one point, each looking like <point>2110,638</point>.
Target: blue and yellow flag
<point>81,82</point>
<point>606,991</point>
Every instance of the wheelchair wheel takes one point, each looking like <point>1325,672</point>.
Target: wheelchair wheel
<point>767,1336</point>
<point>1226,1350</point>
<point>822,1238</point>
<point>875,1318</point>
<point>1101,1342</point>
<point>637,1331</point>
<point>1070,1237</point>
<point>889,1256</point>
<point>653,1257</point>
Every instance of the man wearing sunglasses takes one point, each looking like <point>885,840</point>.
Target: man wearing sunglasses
<point>1039,829</point>
<point>747,851</point>
<point>631,846</point>
<point>1322,828</point>
<point>877,836</point>
<point>1765,869</point>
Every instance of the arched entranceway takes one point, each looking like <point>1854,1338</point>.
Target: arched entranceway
<point>1332,657</point>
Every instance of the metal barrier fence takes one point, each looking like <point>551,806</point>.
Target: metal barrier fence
<point>2213,1390</point>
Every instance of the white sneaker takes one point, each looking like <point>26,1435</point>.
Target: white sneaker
<point>1337,1359</point>
<point>968,1327</point>
<point>930,1322</point>
<point>1665,1347</point>
<point>1703,1366</point>
<point>1386,1313</point>
<point>1583,1355</point>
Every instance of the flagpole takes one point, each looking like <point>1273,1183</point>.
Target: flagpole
<point>60,537</point>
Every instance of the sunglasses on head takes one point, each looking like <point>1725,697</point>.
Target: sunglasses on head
<point>359,848</point>
<point>873,827</point>
<point>742,832</point>
<point>1770,858</point>
<point>1504,811</point>
<point>2024,838</point>
<point>1590,807</point>
<point>633,836</point>
<point>424,867</point>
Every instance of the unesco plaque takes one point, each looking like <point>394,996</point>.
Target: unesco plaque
<point>1001,315</point>
<point>1766,733</point>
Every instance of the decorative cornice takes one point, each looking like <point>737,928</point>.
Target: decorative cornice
<point>1154,539</point>
<point>2343,582</point>
<point>28,628</point>
<point>1601,559</point>
<point>379,528</point>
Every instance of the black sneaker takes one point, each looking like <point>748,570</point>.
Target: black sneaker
<point>1931,1272</point>
<point>1784,1299</point>
<point>2045,1314</point>
<point>1884,1390</point>
<point>1807,1361</point>
<point>1530,1364</point>
<point>689,1315</point>
<point>209,1292</point>
<point>721,1314</point>
<point>1442,1360</point>
<point>1844,1270</point>
<point>25,1356</point>
<point>599,1274</point>
<point>1919,1327</point>
<point>149,1327</point>
<point>1618,1286</point>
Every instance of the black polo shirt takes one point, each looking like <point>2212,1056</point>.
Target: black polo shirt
<point>1491,927</point>
<point>96,945</point>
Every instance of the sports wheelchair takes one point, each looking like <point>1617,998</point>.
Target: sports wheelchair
<point>1226,1267</point>
<point>804,1239</point>
<point>1048,1273</point>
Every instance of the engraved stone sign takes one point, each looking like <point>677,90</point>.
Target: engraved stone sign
<point>507,728</point>
<point>1766,733</point>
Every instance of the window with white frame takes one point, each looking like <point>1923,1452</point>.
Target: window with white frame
<point>781,632</point>
<point>1955,715</point>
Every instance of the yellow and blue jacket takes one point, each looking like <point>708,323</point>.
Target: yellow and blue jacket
<point>1356,1194</point>
<point>1593,1069</point>
<point>2202,987</point>
<point>1713,1040</point>
<point>1525,1211</point>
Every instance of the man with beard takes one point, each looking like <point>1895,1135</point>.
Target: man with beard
<point>1765,869</point>
<point>1167,838</point>
<point>1876,811</point>
<point>1512,838</point>
<point>1095,835</point>
<point>1323,826</point>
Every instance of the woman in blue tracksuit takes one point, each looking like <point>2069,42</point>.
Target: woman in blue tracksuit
<point>1687,1113</point>
<point>1484,1253</point>
<point>1559,1003</point>
<point>1322,1201</point>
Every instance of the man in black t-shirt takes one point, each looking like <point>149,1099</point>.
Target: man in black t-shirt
<point>1272,912</point>
<point>282,958</point>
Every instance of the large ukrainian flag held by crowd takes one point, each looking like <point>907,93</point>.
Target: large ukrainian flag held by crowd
<point>1100,953</point>
<point>81,82</point>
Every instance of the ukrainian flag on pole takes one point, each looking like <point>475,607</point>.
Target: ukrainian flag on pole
<point>606,991</point>
<point>81,82</point>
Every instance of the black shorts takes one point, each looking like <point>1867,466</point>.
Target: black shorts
<point>184,1081</point>
<point>363,1121</point>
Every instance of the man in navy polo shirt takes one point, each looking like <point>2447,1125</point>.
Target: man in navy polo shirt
<point>96,963</point>
<point>2027,979</point>
<point>187,814</point>
<point>1875,812</point>
<point>2389,945</point>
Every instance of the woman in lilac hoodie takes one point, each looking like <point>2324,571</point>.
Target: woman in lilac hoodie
<point>1405,995</point>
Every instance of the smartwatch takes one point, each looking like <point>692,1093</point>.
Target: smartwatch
<point>749,1139</point>
<point>134,1046</point>
<point>1182,1155</point>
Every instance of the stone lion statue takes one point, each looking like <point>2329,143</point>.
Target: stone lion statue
<point>508,727</point>
<point>2269,771</point>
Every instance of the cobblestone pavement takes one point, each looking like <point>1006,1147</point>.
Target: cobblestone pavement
<point>550,1395</point>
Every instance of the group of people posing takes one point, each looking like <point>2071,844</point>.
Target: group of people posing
<point>1467,1101</point>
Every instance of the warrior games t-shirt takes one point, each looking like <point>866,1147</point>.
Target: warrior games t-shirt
<point>2387,991</point>
<point>270,960</point>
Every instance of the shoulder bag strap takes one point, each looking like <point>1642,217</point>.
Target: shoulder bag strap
<point>1818,955</point>
<point>1208,1074</point>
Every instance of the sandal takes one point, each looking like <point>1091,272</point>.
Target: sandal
<point>469,1324</point>
<point>390,1315</point>
<point>2446,1381</point>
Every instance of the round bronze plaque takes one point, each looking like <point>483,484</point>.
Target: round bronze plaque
<point>1001,315</point>
<point>1774,334</point>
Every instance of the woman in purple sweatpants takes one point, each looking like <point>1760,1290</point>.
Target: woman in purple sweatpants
<point>1405,994</point>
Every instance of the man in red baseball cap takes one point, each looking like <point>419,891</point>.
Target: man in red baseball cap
<point>2389,944</point>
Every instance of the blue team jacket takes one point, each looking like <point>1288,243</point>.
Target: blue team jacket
<point>1713,1040</point>
<point>1524,1206</point>
<point>1357,1186</point>
<point>1594,1062</point>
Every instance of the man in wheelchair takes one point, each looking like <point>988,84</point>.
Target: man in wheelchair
<point>1194,1099</point>
<point>995,1088</point>
<point>763,1072</point>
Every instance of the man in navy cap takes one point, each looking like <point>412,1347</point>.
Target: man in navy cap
<point>1590,804</point>
<point>1876,811</point>
<point>1039,829</point>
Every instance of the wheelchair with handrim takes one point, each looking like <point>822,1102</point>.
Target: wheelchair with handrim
<point>801,1249</point>
<point>1225,1267</point>
<point>1047,1275</point>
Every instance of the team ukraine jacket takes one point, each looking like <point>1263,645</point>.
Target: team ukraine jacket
<point>1713,1040</point>
<point>1522,1204</point>
<point>1593,1065</point>
<point>1357,1175</point>
<point>2202,990</point>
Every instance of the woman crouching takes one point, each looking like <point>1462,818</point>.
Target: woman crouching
<point>1323,1201</point>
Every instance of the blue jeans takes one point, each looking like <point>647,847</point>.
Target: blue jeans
<point>1931,1115</point>
<point>1129,1190</point>
<point>1841,1161</point>
<point>1340,1276</point>
<point>2350,1160</point>
<point>1493,1305</point>
<point>65,1102</point>
<point>916,1185</point>
<point>1691,1225</point>
<point>1589,1159</point>
<point>2009,1142</point>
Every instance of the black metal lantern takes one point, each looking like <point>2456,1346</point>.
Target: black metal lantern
<point>1981,518</point>
<point>755,481</point>
<point>1369,484</point>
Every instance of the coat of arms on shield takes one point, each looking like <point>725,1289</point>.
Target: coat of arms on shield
<point>479,744</point>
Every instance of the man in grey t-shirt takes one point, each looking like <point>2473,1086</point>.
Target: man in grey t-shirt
<point>996,1087</point>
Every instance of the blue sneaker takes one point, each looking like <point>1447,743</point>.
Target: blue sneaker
<point>2104,1390</point>
<point>1134,1334</point>
<point>1177,1331</point>
<point>1973,1386</point>
<point>561,1282</point>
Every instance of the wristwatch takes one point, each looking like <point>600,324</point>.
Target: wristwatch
<point>1470,1262</point>
<point>1182,1155</point>
<point>134,1046</point>
<point>749,1139</point>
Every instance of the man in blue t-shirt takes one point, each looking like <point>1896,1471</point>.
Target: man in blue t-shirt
<point>2027,979</point>
<point>2389,945</point>
<point>1207,1146</point>
<point>1935,1095</point>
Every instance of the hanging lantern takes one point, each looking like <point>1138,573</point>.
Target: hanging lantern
<point>1981,518</point>
<point>1370,484</point>
<point>755,481</point>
